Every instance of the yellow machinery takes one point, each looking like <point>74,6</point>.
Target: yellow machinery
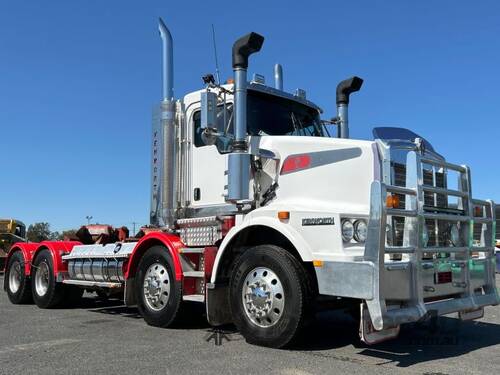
<point>11,231</point>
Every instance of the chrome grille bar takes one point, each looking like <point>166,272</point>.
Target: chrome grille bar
<point>438,190</point>
<point>447,217</point>
<point>443,164</point>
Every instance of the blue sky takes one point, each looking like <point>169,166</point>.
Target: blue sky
<point>78,80</point>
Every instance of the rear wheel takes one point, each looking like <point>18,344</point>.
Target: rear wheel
<point>270,296</point>
<point>158,294</point>
<point>18,285</point>
<point>47,293</point>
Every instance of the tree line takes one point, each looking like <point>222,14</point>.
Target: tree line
<point>38,232</point>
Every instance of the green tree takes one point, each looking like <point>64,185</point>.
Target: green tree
<point>55,236</point>
<point>66,234</point>
<point>38,232</point>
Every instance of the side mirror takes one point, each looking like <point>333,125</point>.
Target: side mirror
<point>213,127</point>
<point>209,117</point>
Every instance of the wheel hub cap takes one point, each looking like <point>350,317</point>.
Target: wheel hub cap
<point>156,287</point>
<point>15,277</point>
<point>263,297</point>
<point>42,279</point>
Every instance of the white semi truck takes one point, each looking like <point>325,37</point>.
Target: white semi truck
<point>262,214</point>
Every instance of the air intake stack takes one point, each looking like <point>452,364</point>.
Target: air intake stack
<point>344,90</point>
<point>239,159</point>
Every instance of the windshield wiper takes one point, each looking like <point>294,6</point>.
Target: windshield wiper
<point>318,129</point>
<point>294,123</point>
<point>324,126</point>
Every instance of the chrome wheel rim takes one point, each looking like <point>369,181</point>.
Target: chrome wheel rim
<point>156,287</point>
<point>263,297</point>
<point>15,276</point>
<point>42,279</point>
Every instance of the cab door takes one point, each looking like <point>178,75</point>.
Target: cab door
<point>208,168</point>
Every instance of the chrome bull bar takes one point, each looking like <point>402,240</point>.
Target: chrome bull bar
<point>388,312</point>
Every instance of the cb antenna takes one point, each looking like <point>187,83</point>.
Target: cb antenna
<point>215,53</point>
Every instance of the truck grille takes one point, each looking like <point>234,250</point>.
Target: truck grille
<point>432,202</point>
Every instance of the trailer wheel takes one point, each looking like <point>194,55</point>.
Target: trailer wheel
<point>158,294</point>
<point>17,284</point>
<point>269,294</point>
<point>47,293</point>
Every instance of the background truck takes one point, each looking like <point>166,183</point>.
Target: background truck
<point>259,212</point>
<point>11,231</point>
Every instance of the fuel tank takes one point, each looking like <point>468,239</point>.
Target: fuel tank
<point>98,263</point>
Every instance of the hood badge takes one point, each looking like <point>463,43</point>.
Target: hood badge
<point>318,221</point>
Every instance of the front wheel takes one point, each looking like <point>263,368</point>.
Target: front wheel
<point>270,296</point>
<point>158,294</point>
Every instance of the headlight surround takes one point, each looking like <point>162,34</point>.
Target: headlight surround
<point>454,235</point>
<point>425,236</point>
<point>360,230</point>
<point>347,230</point>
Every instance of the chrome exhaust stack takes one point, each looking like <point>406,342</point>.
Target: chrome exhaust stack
<point>344,90</point>
<point>239,158</point>
<point>163,172</point>
<point>168,61</point>
<point>278,77</point>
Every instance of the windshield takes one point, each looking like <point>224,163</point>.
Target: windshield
<point>268,115</point>
<point>274,115</point>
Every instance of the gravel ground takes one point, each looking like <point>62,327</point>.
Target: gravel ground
<point>107,337</point>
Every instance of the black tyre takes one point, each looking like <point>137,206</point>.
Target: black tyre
<point>158,294</point>
<point>18,285</point>
<point>47,293</point>
<point>269,295</point>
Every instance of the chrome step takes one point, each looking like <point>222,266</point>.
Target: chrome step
<point>194,274</point>
<point>192,250</point>
<point>194,298</point>
<point>100,284</point>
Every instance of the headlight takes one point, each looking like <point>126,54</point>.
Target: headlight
<point>360,230</point>
<point>425,236</point>
<point>454,235</point>
<point>347,230</point>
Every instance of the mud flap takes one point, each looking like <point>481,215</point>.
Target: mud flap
<point>217,304</point>
<point>129,292</point>
<point>367,332</point>
<point>471,314</point>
